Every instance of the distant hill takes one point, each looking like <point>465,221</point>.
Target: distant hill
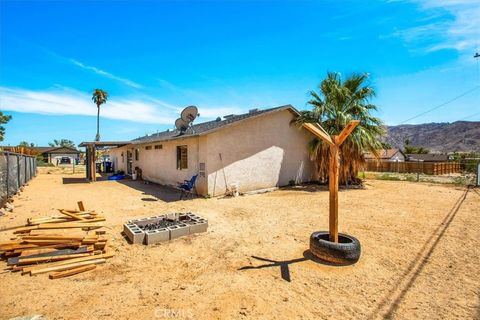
<point>437,137</point>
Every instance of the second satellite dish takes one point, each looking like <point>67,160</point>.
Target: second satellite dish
<point>181,125</point>
<point>189,114</point>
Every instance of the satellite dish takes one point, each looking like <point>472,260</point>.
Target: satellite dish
<point>181,125</point>
<point>189,114</point>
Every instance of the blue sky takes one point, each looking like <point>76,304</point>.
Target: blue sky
<point>156,57</point>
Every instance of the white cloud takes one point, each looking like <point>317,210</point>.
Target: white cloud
<point>451,24</point>
<point>66,101</point>
<point>106,74</point>
<point>71,102</point>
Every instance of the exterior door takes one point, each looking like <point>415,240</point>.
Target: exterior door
<point>129,162</point>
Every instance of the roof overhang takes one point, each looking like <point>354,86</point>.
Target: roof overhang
<point>104,143</point>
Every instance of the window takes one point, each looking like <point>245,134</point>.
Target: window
<point>148,148</point>
<point>137,154</point>
<point>158,146</point>
<point>182,159</point>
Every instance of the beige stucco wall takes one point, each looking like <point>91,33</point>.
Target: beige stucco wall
<point>258,153</point>
<point>160,165</point>
<point>116,157</point>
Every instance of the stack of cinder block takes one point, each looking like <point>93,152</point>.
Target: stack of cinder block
<point>170,226</point>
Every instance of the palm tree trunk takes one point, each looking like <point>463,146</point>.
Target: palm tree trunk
<point>97,137</point>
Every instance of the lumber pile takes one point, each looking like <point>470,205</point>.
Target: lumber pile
<point>62,245</point>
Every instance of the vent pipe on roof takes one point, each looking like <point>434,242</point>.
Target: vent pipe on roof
<point>253,110</point>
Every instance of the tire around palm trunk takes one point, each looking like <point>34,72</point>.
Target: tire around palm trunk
<point>345,251</point>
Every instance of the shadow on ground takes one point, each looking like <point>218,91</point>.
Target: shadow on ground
<point>284,264</point>
<point>152,191</point>
<point>315,187</point>
<point>74,180</point>
<point>388,306</point>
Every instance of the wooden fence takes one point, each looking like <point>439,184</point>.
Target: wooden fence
<point>431,168</point>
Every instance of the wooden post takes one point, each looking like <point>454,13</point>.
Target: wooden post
<point>93,167</point>
<point>333,188</point>
<point>80,206</point>
<point>333,170</point>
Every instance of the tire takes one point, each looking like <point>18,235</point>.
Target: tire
<point>345,251</point>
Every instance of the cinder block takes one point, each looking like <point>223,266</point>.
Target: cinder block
<point>179,230</point>
<point>170,216</point>
<point>193,216</point>
<point>198,226</point>
<point>154,236</point>
<point>134,233</point>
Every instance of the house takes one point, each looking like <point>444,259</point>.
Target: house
<point>257,150</point>
<point>428,157</point>
<point>394,155</point>
<point>56,154</point>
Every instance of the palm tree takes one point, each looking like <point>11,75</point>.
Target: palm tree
<point>337,103</point>
<point>99,97</point>
<point>62,143</point>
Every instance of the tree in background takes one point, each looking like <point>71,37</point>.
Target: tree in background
<point>62,143</point>
<point>3,120</point>
<point>409,149</point>
<point>99,97</point>
<point>337,103</point>
<point>26,144</point>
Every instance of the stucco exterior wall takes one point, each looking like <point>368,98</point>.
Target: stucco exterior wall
<point>258,153</point>
<point>116,157</point>
<point>160,165</point>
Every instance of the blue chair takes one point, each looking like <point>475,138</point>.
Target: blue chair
<point>187,186</point>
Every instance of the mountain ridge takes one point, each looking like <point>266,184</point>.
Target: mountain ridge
<point>443,137</point>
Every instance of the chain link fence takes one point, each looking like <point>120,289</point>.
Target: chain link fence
<point>15,171</point>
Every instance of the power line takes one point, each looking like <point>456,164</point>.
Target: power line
<point>470,116</point>
<point>443,104</point>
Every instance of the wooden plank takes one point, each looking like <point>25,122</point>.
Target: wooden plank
<point>318,131</point>
<point>70,225</point>
<point>29,252</point>
<point>25,229</point>
<point>80,206</point>
<point>333,173</point>
<point>67,266</point>
<point>48,242</point>
<point>71,272</point>
<point>53,237</point>
<point>82,249</point>
<point>71,215</point>
<point>57,232</point>
<point>347,131</point>
<point>50,220</point>
<point>63,262</point>
<point>52,258</point>
<point>58,246</point>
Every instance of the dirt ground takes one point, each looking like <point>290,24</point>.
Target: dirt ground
<point>420,255</point>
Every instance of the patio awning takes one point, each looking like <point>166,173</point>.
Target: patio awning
<point>91,147</point>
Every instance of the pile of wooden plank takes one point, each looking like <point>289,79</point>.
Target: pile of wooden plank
<point>62,245</point>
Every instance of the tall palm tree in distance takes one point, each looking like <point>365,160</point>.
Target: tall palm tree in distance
<point>99,97</point>
<point>337,103</point>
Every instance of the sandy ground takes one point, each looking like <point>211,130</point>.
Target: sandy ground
<point>420,257</point>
